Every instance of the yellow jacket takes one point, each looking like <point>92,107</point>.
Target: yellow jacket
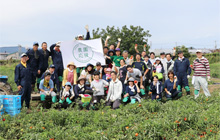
<point>65,74</point>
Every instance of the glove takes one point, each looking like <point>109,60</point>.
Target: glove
<point>108,37</point>
<point>97,90</point>
<point>175,80</point>
<point>48,93</point>
<point>119,39</point>
<point>95,101</point>
<point>209,78</point>
<point>174,49</point>
<point>87,27</point>
<point>169,93</point>
<point>71,97</point>
<point>62,98</point>
<point>125,82</point>
<point>188,76</point>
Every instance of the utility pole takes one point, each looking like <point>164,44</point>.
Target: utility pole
<point>215,45</point>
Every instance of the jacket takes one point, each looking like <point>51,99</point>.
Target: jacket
<point>182,67</point>
<point>44,56</point>
<point>33,61</point>
<point>115,90</point>
<point>22,75</point>
<point>55,79</point>
<point>56,57</point>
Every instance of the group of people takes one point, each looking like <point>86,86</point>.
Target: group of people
<point>121,80</point>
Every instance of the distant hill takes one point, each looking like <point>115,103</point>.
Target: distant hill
<point>12,49</point>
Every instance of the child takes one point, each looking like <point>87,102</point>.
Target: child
<point>98,88</point>
<point>80,89</point>
<point>46,88</point>
<point>107,76</point>
<point>66,94</point>
<point>99,68</point>
<point>132,90</point>
<point>88,72</point>
<point>158,69</point>
<point>156,89</point>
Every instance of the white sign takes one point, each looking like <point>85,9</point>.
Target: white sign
<point>82,52</point>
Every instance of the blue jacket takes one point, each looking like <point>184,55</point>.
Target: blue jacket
<point>44,60</point>
<point>78,90</point>
<point>33,61</point>
<point>153,89</point>
<point>56,57</point>
<point>182,67</point>
<point>22,75</point>
<point>55,79</point>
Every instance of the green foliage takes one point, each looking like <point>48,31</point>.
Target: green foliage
<point>184,49</point>
<point>185,118</point>
<point>130,37</point>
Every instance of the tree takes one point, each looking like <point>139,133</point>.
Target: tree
<point>184,49</point>
<point>130,37</point>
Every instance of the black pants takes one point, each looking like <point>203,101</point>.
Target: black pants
<point>114,104</point>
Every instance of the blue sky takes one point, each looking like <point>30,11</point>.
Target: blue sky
<point>187,22</point>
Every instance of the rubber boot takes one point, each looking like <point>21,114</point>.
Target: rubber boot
<point>42,97</point>
<point>196,92</point>
<point>125,99</point>
<point>133,101</point>
<point>187,90</point>
<point>168,99</point>
<point>179,88</point>
<point>142,91</point>
<point>54,99</point>
<point>68,100</point>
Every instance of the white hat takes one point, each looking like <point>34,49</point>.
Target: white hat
<point>198,51</point>
<point>80,35</point>
<point>157,59</point>
<point>23,54</point>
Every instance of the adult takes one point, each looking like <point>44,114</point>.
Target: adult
<point>115,90</point>
<point>137,75</point>
<point>201,71</point>
<point>98,88</point>
<point>23,80</point>
<point>170,86</point>
<point>182,71</point>
<point>80,37</point>
<point>127,60</point>
<point>152,58</point>
<point>140,65</point>
<point>69,74</point>
<point>53,77</point>
<point>112,46</point>
<point>168,66</point>
<point>132,91</point>
<point>44,56</point>
<point>123,73</point>
<point>148,76</point>
<point>143,53</point>
<point>33,63</point>
<point>46,89</point>
<point>163,58</point>
<point>57,60</point>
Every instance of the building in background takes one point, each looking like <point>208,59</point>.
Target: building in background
<point>13,52</point>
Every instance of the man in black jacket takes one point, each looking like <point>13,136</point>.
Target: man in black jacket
<point>33,63</point>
